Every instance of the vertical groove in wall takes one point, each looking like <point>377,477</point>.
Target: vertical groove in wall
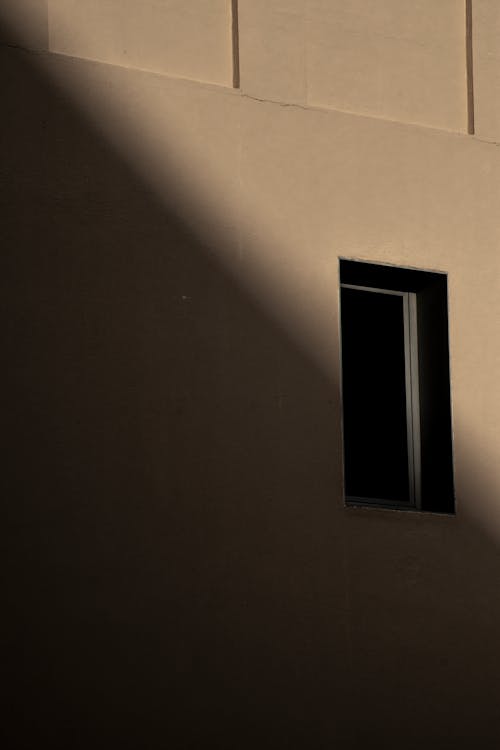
<point>470,70</point>
<point>235,43</point>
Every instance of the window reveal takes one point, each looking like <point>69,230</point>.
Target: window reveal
<point>395,388</point>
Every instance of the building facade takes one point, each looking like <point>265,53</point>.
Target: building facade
<point>179,183</point>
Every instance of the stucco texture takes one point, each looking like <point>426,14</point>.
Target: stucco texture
<point>181,568</point>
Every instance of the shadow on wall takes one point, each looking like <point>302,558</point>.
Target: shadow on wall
<point>181,571</point>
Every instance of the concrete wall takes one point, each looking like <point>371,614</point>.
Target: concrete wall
<point>192,39</point>
<point>399,59</point>
<point>486,25</point>
<point>181,568</point>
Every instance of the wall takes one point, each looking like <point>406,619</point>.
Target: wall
<point>181,568</point>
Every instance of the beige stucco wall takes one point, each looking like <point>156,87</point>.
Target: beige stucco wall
<point>189,39</point>
<point>182,569</point>
<point>486,27</point>
<point>400,59</point>
<point>25,23</point>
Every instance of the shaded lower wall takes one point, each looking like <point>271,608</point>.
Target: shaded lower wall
<point>181,571</point>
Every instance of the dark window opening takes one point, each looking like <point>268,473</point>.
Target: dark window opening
<point>396,388</point>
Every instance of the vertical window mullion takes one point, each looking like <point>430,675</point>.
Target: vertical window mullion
<point>409,400</point>
<point>414,392</point>
<point>412,396</point>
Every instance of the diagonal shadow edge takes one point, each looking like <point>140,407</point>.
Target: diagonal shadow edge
<point>87,419</point>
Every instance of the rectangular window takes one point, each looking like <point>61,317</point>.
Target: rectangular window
<point>395,388</point>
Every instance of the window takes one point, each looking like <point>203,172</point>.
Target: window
<point>396,388</point>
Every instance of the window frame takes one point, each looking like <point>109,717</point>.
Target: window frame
<point>410,334</point>
<point>412,331</point>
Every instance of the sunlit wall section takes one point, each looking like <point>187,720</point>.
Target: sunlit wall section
<point>396,59</point>
<point>187,39</point>
<point>486,53</point>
